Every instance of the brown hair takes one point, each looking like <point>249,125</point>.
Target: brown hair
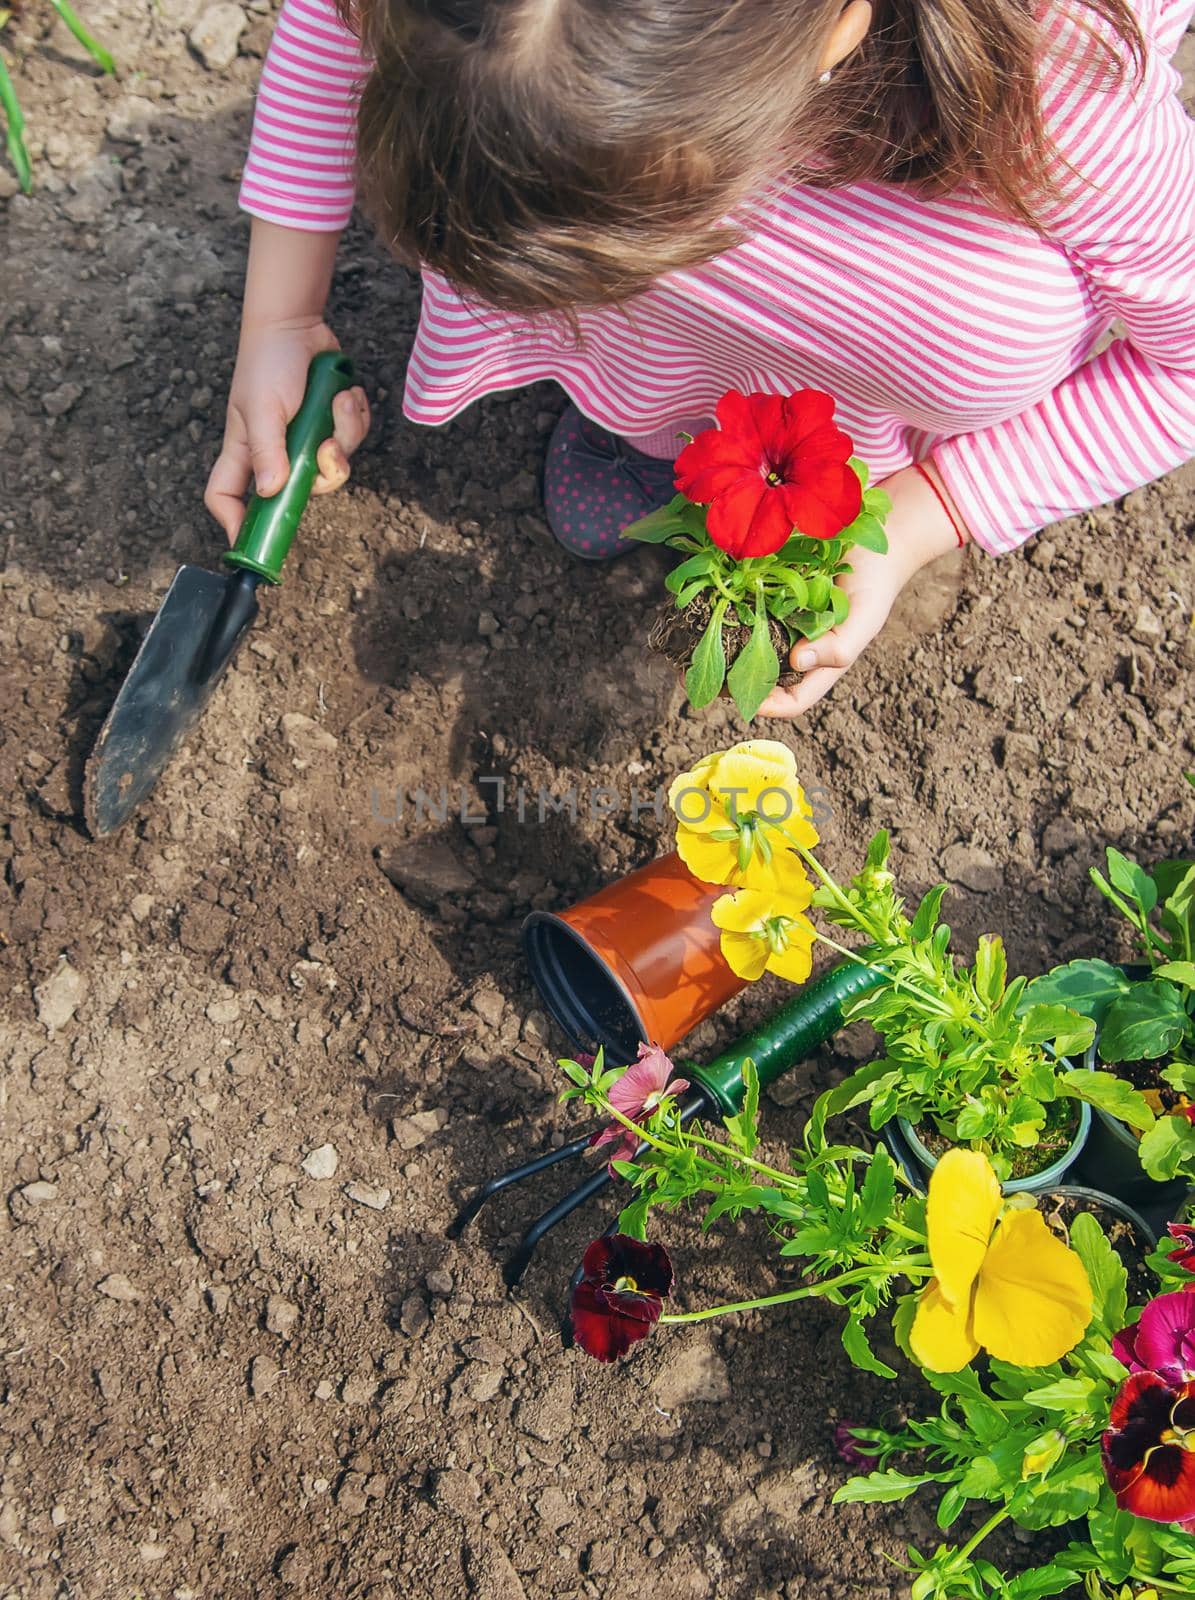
<point>552,154</point>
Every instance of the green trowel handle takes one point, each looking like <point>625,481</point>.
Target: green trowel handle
<point>270,525</point>
<point>795,1032</point>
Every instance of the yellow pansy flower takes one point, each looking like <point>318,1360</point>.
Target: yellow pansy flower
<point>739,812</point>
<point>1002,1281</point>
<point>765,932</point>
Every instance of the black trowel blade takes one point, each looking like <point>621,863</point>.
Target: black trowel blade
<point>162,698</point>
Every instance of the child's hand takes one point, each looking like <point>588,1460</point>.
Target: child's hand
<point>267,390</point>
<point>919,531</point>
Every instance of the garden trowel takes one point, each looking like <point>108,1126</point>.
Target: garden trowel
<point>202,620</point>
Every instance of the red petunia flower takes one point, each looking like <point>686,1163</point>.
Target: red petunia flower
<point>774,465</point>
<point>1149,1449</point>
<point>1184,1256</point>
<point>621,1294</point>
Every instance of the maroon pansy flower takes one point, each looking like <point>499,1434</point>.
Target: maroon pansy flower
<point>618,1301</point>
<point>1184,1256</point>
<point>1149,1449</point>
<point>853,1451</point>
<point>637,1093</point>
<point>1163,1341</point>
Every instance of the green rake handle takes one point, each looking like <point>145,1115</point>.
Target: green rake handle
<point>270,525</point>
<point>791,1035</point>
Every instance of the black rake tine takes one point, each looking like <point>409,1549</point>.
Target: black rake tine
<point>519,1261</point>
<point>516,1175</point>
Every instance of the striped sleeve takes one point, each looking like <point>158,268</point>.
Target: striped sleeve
<point>299,171</point>
<point>1126,218</point>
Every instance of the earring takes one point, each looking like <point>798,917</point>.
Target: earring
<point>826,76</point>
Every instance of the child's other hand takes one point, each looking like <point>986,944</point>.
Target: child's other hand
<point>919,531</point>
<point>267,390</point>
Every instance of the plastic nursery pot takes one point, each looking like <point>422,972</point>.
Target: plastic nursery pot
<point>1109,1202</point>
<point>639,960</point>
<point>1048,1178</point>
<point>1112,1158</point>
<point>1112,1161</point>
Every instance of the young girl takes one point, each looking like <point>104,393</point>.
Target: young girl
<point>933,209</point>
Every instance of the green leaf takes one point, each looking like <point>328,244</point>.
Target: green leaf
<point>1105,1271</point>
<point>1168,1149</point>
<point>1088,987</point>
<point>854,1090</point>
<point>697,566</point>
<point>1176,885</point>
<point>657,527</point>
<point>880,1488</point>
<point>861,470</point>
<point>927,912</point>
<point>879,1189</point>
<point>820,588</point>
<point>951,1506</point>
<point>1065,1394</point>
<point>1131,879</point>
<point>1177,972</point>
<point>1039,1582</point>
<point>991,969</point>
<point>867,531</point>
<point>1111,1094</point>
<point>707,671</point>
<point>1065,1029</point>
<point>743,1126</point>
<point>1143,1024</point>
<point>858,1348</point>
<point>632,1219</point>
<point>877,850</point>
<point>840,605</point>
<point>755,670</point>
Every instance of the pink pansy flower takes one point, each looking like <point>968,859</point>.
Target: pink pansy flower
<point>1163,1341</point>
<point>637,1093</point>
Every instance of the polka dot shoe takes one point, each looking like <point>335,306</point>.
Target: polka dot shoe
<point>595,483</point>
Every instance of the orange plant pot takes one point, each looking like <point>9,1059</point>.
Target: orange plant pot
<point>639,960</point>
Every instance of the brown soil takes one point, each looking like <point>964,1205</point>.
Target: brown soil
<point>224,1376</point>
<point>1062,1207</point>
<point>676,634</point>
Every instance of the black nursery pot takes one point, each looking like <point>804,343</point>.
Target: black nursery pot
<point>1112,1162</point>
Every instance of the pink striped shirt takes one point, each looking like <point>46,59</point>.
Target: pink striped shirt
<point>941,327</point>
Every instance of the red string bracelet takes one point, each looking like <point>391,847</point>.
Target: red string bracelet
<point>943,502</point>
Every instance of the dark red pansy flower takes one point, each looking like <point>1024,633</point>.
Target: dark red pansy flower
<point>1149,1448</point>
<point>618,1301</point>
<point>852,1450</point>
<point>774,464</point>
<point>1184,1256</point>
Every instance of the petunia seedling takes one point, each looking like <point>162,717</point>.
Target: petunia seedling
<point>769,505</point>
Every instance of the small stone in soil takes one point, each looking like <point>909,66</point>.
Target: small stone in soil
<point>264,1373</point>
<point>414,1316</point>
<point>365,1194</point>
<point>281,1316</point>
<point>117,1287</point>
<point>321,1163</point>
